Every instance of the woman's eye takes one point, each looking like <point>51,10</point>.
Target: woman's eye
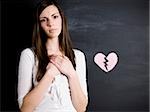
<point>42,20</point>
<point>55,17</point>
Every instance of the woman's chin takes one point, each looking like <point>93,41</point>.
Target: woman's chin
<point>53,36</point>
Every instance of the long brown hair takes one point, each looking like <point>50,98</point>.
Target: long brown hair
<point>39,39</point>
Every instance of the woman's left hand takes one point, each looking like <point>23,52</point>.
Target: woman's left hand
<point>63,64</point>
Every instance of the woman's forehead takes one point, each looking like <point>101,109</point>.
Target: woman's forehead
<point>49,10</point>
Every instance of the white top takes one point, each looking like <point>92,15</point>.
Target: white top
<point>59,100</point>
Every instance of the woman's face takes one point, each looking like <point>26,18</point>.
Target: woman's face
<point>51,21</point>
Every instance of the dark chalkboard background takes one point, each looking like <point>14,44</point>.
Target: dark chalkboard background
<point>96,26</point>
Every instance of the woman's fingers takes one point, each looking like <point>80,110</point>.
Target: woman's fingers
<point>57,59</point>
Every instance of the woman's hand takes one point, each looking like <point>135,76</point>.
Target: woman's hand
<point>63,64</point>
<point>52,70</point>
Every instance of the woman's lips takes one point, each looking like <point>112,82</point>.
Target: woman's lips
<point>51,30</point>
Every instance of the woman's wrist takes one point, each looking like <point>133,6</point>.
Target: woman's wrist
<point>50,76</point>
<point>72,75</point>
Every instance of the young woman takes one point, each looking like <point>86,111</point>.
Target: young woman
<point>51,75</point>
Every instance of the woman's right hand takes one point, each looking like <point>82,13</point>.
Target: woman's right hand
<point>52,70</point>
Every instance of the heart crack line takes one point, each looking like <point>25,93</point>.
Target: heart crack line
<point>106,60</point>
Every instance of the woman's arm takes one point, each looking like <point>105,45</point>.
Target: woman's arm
<point>35,96</point>
<point>77,80</point>
<point>79,99</point>
<point>27,99</point>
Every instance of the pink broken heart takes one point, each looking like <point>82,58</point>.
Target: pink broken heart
<point>106,63</point>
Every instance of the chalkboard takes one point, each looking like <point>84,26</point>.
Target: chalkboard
<point>96,26</point>
<point>120,26</point>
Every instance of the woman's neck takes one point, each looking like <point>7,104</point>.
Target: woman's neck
<point>52,46</point>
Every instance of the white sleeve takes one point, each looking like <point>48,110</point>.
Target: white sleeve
<point>26,63</point>
<point>81,70</point>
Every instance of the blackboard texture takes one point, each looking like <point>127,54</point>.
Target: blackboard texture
<point>120,26</point>
<point>96,26</point>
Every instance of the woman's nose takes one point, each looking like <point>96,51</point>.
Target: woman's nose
<point>49,23</point>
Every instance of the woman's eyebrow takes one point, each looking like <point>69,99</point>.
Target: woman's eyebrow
<point>51,15</point>
<point>55,13</point>
<point>43,17</point>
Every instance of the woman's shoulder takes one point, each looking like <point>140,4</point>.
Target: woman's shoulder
<point>27,55</point>
<point>27,52</point>
<point>78,53</point>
